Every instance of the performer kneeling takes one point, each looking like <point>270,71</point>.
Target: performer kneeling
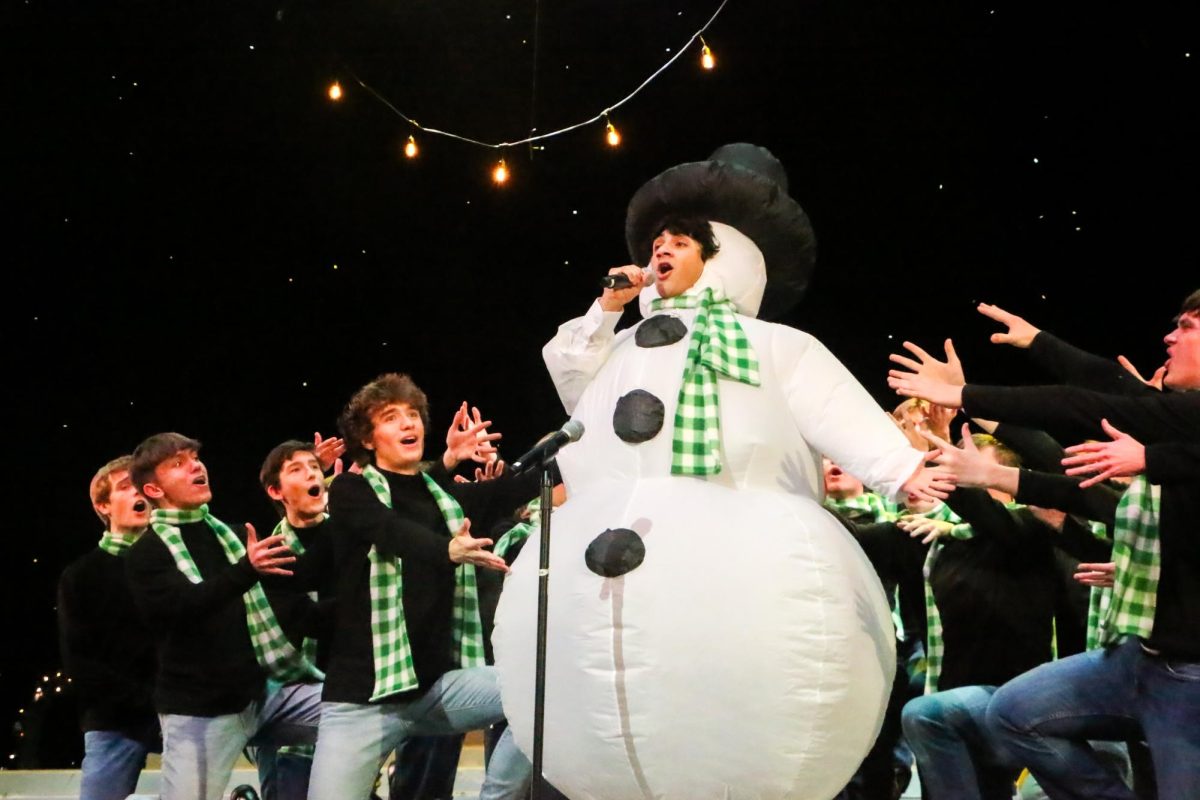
<point>195,580</point>
<point>407,656</point>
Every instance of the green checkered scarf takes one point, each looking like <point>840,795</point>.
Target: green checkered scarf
<point>309,646</point>
<point>935,644</point>
<point>1098,598</point>
<point>718,345</point>
<point>1137,553</point>
<point>275,654</point>
<point>394,670</point>
<point>115,544</point>
<point>521,531</point>
<point>879,507</point>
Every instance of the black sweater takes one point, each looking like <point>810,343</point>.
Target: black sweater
<point>1153,419</point>
<point>415,531</point>
<point>207,665</point>
<point>107,649</point>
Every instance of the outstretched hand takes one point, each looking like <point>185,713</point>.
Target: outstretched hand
<point>1020,332</point>
<point>465,549</point>
<point>1123,457</point>
<point>928,529</point>
<point>966,463</point>
<point>929,483</point>
<point>939,382</point>
<point>268,556</point>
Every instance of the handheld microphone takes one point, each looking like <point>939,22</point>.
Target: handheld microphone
<point>621,280</point>
<point>547,447</point>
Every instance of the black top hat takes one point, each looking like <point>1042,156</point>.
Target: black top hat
<point>744,186</point>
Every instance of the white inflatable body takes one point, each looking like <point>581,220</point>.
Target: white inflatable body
<point>751,653</point>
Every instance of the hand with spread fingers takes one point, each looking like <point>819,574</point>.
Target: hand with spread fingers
<point>328,451</point>
<point>1123,457</point>
<point>1020,332</point>
<point>939,382</point>
<point>970,466</point>
<point>468,438</point>
<point>268,556</point>
<point>466,549</point>
<point>929,483</point>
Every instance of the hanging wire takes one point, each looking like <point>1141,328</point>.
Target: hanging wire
<point>499,145</point>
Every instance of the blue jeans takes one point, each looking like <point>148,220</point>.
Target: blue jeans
<point>956,757</point>
<point>356,738</point>
<point>1045,717</point>
<point>112,763</point>
<point>199,752</point>
<point>283,775</point>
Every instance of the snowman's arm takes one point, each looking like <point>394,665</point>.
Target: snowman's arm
<point>578,351</point>
<point>839,418</point>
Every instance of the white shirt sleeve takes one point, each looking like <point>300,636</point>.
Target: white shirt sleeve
<point>578,351</point>
<point>839,418</point>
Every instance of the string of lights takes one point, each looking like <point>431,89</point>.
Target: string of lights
<point>500,172</point>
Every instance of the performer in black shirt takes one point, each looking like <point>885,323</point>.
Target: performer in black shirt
<point>108,651</point>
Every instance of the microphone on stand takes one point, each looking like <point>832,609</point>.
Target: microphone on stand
<point>621,280</point>
<point>547,447</point>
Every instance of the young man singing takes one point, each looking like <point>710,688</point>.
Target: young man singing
<point>407,654</point>
<point>107,649</point>
<point>195,580</point>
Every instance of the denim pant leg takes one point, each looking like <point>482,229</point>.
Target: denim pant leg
<point>469,699</point>
<point>1044,718</point>
<point>199,753</point>
<point>1170,715</point>
<point>283,774</point>
<point>955,755</point>
<point>290,715</point>
<point>112,763</point>
<point>352,742</point>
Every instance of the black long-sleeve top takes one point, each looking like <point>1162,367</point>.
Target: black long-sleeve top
<point>313,572</point>
<point>1152,419</point>
<point>414,530</point>
<point>207,665</point>
<point>1070,365</point>
<point>994,592</point>
<point>107,650</point>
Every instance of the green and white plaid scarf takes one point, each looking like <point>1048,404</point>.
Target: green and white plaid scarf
<point>1137,553</point>
<point>116,544</point>
<point>718,345</point>
<point>309,646</point>
<point>935,644</point>
<point>521,531</point>
<point>879,507</point>
<point>275,654</point>
<point>394,670</point>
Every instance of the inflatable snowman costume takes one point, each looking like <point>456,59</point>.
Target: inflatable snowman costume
<point>717,636</point>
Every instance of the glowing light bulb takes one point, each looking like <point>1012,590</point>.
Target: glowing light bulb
<point>410,148</point>
<point>335,91</point>
<point>707,59</point>
<point>613,137</point>
<point>500,173</point>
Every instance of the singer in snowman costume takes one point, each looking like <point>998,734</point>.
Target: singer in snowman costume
<point>714,633</point>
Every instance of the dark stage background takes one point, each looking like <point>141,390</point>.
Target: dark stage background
<point>199,240</point>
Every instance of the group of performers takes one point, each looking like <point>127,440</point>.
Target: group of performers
<point>727,597</point>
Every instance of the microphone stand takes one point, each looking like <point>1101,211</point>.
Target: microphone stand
<point>539,690</point>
